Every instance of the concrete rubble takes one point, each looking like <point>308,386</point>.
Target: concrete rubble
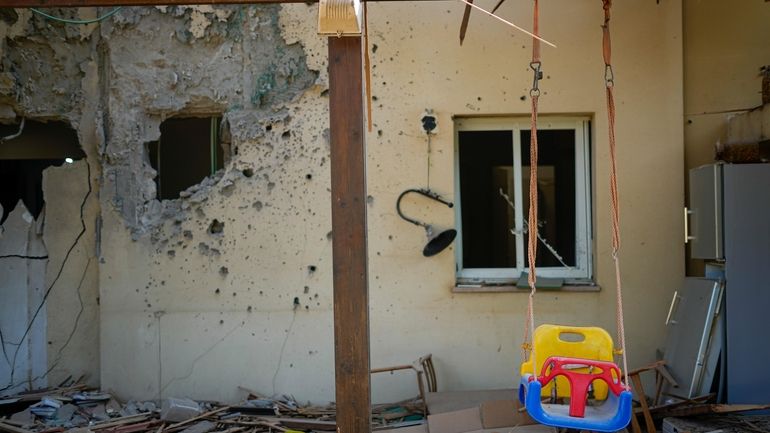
<point>76,408</point>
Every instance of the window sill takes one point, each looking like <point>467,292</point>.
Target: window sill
<point>513,288</point>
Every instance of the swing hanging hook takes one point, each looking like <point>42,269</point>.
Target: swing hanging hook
<point>537,73</point>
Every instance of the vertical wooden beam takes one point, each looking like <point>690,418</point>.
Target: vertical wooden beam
<point>349,250</point>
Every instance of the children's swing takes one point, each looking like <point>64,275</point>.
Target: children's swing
<point>572,369</point>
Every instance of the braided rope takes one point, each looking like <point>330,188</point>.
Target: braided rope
<point>529,328</point>
<point>614,197</point>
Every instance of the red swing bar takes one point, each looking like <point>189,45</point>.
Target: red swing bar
<point>579,381</point>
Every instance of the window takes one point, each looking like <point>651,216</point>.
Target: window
<point>492,200</point>
<point>188,150</point>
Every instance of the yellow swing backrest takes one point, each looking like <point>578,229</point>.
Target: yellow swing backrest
<point>557,340</point>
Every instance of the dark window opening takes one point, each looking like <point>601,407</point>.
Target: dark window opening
<point>24,157</point>
<point>556,193</point>
<point>486,166</point>
<point>188,151</point>
<point>488,220</point>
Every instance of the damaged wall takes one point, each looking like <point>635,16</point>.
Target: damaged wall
<point>22,269</point>
<point>49,73</point>
<point>206,284</point>
<point>231,285</point>
<point>190,312</point>
<point>722,77</point>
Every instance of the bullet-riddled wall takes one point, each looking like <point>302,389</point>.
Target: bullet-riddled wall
<point>230,286</point>
<point>174,324</point>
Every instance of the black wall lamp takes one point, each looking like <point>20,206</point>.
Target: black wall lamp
<point>436,243</point>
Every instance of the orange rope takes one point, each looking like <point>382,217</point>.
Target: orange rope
<point>529,331</point>
<point>614,197</point>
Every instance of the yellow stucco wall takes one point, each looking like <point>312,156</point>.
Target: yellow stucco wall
<point>177,336</point>
<point>725,47</point>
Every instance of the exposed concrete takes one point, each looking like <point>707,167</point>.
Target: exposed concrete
<point>73,330</point>
<point>228,61</point>
<point>23,363</point>
<point>750,127</point>
<point>48,72</point>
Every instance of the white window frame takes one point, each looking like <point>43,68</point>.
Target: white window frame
<point>582,270</point>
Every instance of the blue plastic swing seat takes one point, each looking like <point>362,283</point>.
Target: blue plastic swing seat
<point>612,415</point>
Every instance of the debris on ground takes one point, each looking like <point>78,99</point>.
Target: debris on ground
<point>78,409</point>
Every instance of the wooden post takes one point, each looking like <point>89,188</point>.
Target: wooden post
<point>349,250</point>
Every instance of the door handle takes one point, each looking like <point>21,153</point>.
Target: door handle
<point>687,237</point>
<point>673,305</point>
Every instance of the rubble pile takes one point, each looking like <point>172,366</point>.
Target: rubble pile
<point>78,409</point>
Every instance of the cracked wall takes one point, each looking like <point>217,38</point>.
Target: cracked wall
<point>230,286</point>
<point>49,73</point>
<point>217,271</point>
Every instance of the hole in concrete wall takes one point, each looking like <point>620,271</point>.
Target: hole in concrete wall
<point>189,149</point>
<point>23,158</point>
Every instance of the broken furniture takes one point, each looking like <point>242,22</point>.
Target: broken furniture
<point>426,375</point>
<point>722,424</point>
<point>662,376</point>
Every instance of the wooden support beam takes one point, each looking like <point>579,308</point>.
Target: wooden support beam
<point>88,3</point>
<point>349,249</point>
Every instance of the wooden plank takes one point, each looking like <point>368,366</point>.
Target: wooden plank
<point>84,3</point>
<point>12,429</point>
<point>176,426</point>
<point>349,248</point>
<point>643,401</point>
<point>119,421</point>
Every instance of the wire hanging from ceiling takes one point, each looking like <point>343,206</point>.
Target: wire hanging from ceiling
<point>71,21</point>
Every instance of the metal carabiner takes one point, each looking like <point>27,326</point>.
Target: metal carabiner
<point>609,76</point>
<point>537,76</point>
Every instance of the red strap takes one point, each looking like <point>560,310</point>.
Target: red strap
<point>606,33</point>
<point>536,30</point>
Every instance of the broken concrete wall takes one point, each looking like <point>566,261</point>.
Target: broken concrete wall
<point>22,270</point>
<point>227,275</point>
<point>231,285</point>
<point>48,73</point>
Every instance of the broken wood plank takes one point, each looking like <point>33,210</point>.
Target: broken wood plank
<point>12,429</point>
<point>309,424</point>
<point>120,421</point>
<point>637,381</point>
<point>174,427</point>
<point>732,408</point>
<point>132,428</point>
<point>38,394</point>
<point>349,244</point>
<point>702,409</point>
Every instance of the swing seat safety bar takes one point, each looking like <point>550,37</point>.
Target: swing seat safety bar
<point>612,415</point>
